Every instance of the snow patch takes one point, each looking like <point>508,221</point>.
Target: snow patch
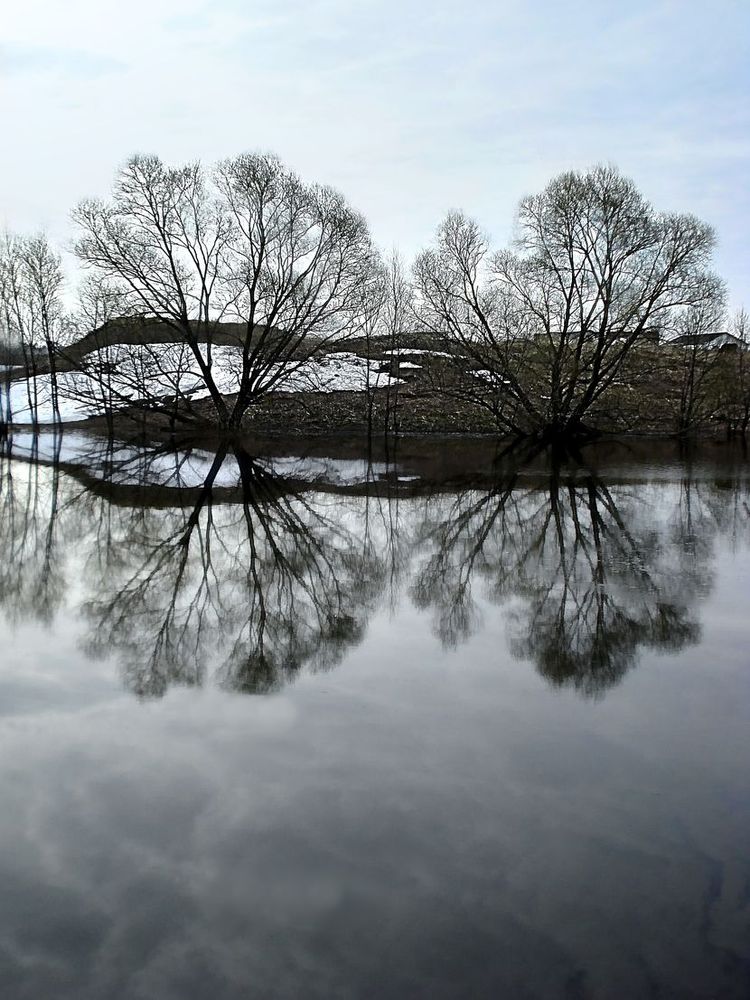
<point>118,376</point>
<point>418,350</point>
<point>488,376</point>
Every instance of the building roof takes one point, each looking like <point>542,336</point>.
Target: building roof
<point>719,340</point>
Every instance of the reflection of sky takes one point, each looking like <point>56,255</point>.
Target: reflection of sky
<point>418,822</point>
<point>411,109</point>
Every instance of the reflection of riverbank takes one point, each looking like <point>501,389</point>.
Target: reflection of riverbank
<point>414,465</point>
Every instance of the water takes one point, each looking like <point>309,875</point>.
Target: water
<point>331,730</point>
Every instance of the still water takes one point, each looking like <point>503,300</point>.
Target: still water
<point>307,727</point>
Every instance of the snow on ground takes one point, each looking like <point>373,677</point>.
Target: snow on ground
<point>489,376</point>
<point>123,375</point>
<point>167,368</point>
<point>19,400</point>
<point>156,370</point>
<point>342,371</point>
<point>418,350</point>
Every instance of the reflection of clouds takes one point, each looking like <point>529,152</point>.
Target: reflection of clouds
<point>215,845</point>
<point>426,824</point>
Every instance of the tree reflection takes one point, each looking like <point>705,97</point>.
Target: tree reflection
<point>255,589</point>
<point>32,582</point>
<point>590,573</point>
<point>248,590</point>
<point>187,565</point>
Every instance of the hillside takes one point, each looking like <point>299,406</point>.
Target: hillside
<point>129,365</point>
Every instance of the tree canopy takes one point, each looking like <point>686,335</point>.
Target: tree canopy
<point>594,268</point>
<point>289,263</point>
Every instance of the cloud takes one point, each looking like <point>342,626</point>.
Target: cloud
<point>76,63</point>
<point>408,108</point>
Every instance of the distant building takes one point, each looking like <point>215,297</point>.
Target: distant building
<point>714,341</point>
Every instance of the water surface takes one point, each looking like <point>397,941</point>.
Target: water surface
<point>300,726</point>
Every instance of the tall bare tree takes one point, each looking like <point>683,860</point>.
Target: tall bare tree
<point>249,244</point>
<point>547,326</point>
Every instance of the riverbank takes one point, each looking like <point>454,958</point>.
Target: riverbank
<point>370,390</point>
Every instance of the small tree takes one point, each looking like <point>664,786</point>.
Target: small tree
<point>548,325</point>
<point>397,316</point>
<point>44,281</point>
<point>32,315</point>
<point>100,305</point>
<point>697,361</point>
<point>740,328</point>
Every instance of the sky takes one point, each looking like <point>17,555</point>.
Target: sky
<point>411,108</point>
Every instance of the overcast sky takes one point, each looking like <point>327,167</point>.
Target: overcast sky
<point>409,107</point>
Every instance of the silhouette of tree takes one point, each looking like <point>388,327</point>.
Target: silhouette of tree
<point>284,267</point>
<point>32,317</point>
<point>189,567</point>
<point>589,574</point>
<point>540,334</point>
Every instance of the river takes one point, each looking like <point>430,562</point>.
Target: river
<point>299,725</point>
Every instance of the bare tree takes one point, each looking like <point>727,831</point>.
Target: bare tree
<point>20,328</point>
<point>32,316</point>
<point>543,330</point>
<point>397,317</point>
<point>740,328</point>
<point>695,361</point>
<point>44,281</point>
<point>373,303</point>
<point>100,305</point>
<point>250,249</point>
